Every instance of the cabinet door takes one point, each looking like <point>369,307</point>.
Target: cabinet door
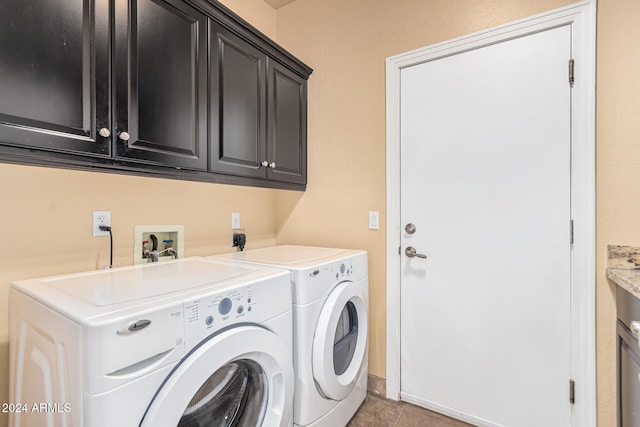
<point>54,75</point>
<point>287,125</point>
<point>161,81</point>
<point>237,105</point>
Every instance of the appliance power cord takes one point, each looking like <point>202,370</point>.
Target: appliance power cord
<point>107,228</point>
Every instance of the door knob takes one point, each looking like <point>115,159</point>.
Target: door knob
<point>265,163</point>
<point>272,165</point>
<point>124,136</point>
<point>104,132</point>
<point>410,228</point>
<point>411,252</point>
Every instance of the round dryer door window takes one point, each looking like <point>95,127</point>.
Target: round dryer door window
<point>242,377</point>
<point>340,341</point>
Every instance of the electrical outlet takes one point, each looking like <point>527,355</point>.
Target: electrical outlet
<point>101,218</point>
<point>235,220</point>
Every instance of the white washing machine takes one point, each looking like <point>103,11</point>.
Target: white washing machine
<point>189,342</point>
<point>330,291</point>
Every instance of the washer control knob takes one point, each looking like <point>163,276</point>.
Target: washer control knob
<point>240,309</point>
<point>209,320</point>
<point>342,268</point>
<point>225,306</point>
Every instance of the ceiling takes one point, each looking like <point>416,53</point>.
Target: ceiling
<point>276,4</point>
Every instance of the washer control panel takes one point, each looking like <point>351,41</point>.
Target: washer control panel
<point>212,312</point>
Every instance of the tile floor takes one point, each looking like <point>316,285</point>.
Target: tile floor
<point>381,412</point>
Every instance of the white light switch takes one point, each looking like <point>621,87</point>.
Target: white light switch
<point>374,220</point>
<point>235,220</point>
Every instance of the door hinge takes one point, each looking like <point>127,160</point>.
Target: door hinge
<point>571,66</point>
<point>571,232</point>
<point>572,391</point>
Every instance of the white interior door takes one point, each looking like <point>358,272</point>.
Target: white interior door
<point>486,180</point>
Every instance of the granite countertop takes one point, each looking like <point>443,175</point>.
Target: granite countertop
<point>623,267</point>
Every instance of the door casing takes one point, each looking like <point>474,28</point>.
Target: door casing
<point>582,17</point>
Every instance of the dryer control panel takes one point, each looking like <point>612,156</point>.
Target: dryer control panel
<point>316,282</point>
<point>341,270</point>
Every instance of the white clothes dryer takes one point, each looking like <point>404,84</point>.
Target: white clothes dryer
<point>330,289</point>
<point>189,342</point>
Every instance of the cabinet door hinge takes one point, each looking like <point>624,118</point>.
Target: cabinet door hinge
<point>571,232</point>
<point>571,67</point>
<point>572,391</point>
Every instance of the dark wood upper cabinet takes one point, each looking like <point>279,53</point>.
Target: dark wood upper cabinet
<point>238,105</point>
<point>180,89</point>
<point>54,75</point>
<point>287,136</point>
<point>258,112</point>
<point>161,83</point>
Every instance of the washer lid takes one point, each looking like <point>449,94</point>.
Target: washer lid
<point>123,285</point>
<point>87,294</point>
<point>290,256</point>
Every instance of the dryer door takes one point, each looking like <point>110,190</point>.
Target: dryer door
<point>340,341</point>
<point>241,377</point>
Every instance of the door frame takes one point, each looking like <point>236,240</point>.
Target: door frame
<point>582,17</point>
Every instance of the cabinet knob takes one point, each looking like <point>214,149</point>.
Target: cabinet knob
<point>124,136</point>
<point>272,165</point>
<point>265,163</point>
<point>104,132</point>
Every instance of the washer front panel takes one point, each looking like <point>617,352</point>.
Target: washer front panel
<point>254,347</point>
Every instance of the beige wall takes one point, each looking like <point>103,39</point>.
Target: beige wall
<point>257,13</point>
<point>347,42</point>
